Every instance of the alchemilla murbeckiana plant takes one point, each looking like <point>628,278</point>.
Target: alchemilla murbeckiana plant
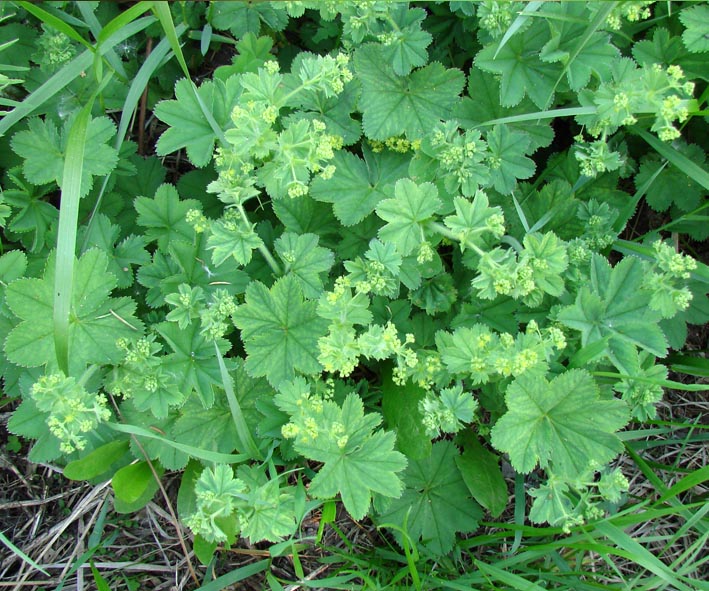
<point>397,258</point>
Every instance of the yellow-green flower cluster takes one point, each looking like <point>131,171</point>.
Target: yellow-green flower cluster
<point>631,10</point>
<point>395,144</point>
<point>72,410</point>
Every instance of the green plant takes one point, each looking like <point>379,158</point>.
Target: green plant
<point>378,281</point>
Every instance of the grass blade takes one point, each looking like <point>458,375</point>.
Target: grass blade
<point>243,433</point>
<point>691,480</point>
<point>138,85</point>
<point>235,576</point>
<point>640,554</point>
<point>539,115</point>
<point>66,234</point>
<point>15,550</point>
<point>593,26</point>
<point>196,452</point>
<point>113,60</point>
<point>56,83</point>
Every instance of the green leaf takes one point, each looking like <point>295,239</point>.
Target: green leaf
<point>407,213</point>
<point>229,239</point>
<point>695,20</point>
<point>28,421</point>
<point>436,503</point>
<point>96,319</point>
<point>519,67</point>
<point>334,111</point>
<point>407,48</point>
<point>357,460</point>
<point>280,331</point>
<point>483,105</point>
<point>576,44</point>
<point>189,128</point>
<point>192,364</point>
<point>13,265</point>
<point>252,53</point>
<point>44,147</point>
<point>401,412</point>
<point>169,456</point>
<point>507,158</point>
<point>31,212</point>
<point>668,184</point>
<point>123,255</point>
<point>164,216</point>
<point>240,18</point>
<point>97,462</point>
<point>410,104</point>
<point>359,185</point>
<point>481,473</point>
<point>562,425</point>
<point>470,222</point>
<point>305,260</point>
<point>134,483</point>
<point>616,307</point>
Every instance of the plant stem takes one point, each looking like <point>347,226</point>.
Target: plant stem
<point>272,262</point>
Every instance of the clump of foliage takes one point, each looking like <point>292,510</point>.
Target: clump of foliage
<point>395,263</point>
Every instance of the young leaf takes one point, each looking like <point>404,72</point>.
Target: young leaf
<point>305,260</point>
<point>407,49</point>
<point>192,363</point>
<point>436,503</point>
<point>507,158</point>
<point>562,425</point>
<point>412,104</point>
<point>280,331</point>
<point>164,216</point>
<point>412,206</point>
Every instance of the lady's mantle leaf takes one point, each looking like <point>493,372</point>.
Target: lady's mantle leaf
<point>561,423</point>
<point>280,331</point>
<point>695,36</point>
<point>520,69</point>
<point>507,158</point>
<point>96,320</point>
<point>164,216</point>
<point>189,127</point>
<point>44,147</point>
<point>615,306</point>
<point>359,185</point>
<point>412,104</point>
<point>357,460</point>
<point>412,206</point>
<point>436,503</point>
<point>305,260</point>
